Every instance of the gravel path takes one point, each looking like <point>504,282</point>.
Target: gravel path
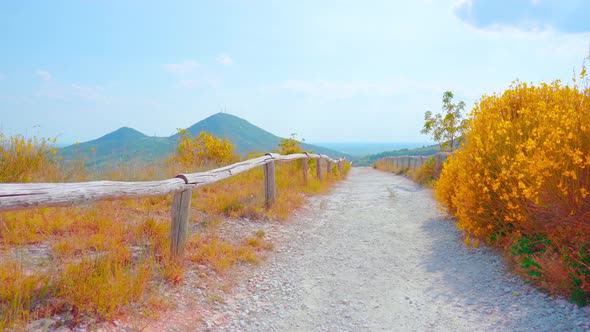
<point>376,255</point>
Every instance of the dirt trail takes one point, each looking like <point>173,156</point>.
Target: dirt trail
<point>376,255</point>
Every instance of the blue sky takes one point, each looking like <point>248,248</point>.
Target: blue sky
<point>328,70</point>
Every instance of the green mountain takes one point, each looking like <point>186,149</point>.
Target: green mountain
<point>129,144</point>
<point>121,145</point>
<point>245,136</point>
<point>248,137</point>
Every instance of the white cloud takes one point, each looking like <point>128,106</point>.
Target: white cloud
<point>44,75</point>
<point>190,74</point>
<point>182,68</point>
<point>462,3</point>
<point>56,90</point>
<point>224,59</point>
<point>463,8</point>
<point>92,93</point>
<point>530,15</point>
<point>339,90</point>
<point>547,41</point>
<point>207,82</point>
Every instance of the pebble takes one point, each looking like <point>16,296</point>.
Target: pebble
<point>40,325</point>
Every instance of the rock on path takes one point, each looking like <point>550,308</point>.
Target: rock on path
<point>377,255</point>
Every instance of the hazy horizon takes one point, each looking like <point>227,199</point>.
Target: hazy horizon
<point>356,149</point>
<point>360,149</point>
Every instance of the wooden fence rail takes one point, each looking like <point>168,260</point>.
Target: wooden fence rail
<point>418,161</point>
<point>20,196</point>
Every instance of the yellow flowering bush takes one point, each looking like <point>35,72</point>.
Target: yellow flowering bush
<point>26,159</point>
<point>522,182</point>
<point>290,145</point>
<point>205,149</point>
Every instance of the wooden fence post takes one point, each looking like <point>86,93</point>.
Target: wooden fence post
<point>421,161</point>
<point>270,194</point>
<point>328,169</point>
<point>409,161</point>
<point>180,221</point>
<point>305,169</point>
<point>318,168</point>
<point>438,167</point>
<point>340,166</point>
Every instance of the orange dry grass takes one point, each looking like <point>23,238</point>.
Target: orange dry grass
<point>212,250</point>
<point>101,257</point>
<point>243,195</point>
<point>424,175</point>
<point>20,293</point>
<point>89,258</point>
<point>102,286</point>
<point>387,165</point>
<point>220,254</point>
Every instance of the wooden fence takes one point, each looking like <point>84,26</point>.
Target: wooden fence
<point>19,196</point>
<point>411,162</point>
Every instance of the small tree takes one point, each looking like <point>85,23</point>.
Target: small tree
<point>446,128</point>
<point>290,145</point>
<point>203,149</point>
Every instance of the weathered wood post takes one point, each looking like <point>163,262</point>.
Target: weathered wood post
<point>438,167</point>
<point>305,167</point>
<point>328,169</point>
<point>409,161</point>
<point>180,221</point>
<point>318,168</point>
<point>270,194</point>
<point>421,161</point>
<point>340,166</point>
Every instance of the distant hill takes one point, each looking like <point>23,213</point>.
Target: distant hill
<point>425,151</point>
<point>366,148</point>
<point>241,133</point>
<point>129,144</point>
<point>248,137</point>
<point>120,145</point>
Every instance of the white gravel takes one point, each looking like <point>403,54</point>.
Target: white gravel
<point>376,255</point>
